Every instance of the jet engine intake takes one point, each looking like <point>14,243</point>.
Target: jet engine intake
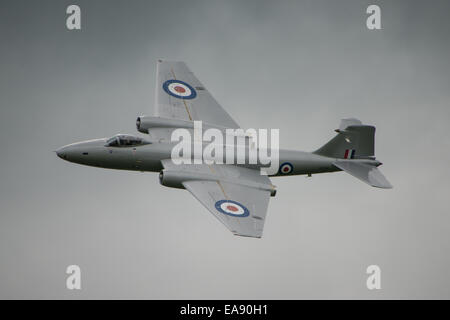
<point>175,179</point>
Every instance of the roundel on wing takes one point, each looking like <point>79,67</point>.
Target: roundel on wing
<point>232,208</point>
<point>286,168</point>
<point>179,89</point>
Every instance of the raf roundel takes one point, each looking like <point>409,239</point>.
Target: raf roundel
<point>286,168</point>
<point>232,208</point>
<point>179,89</point>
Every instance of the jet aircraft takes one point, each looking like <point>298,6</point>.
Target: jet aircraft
<point>237,195</point>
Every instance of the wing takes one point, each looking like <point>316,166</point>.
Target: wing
<point>238,197</point>
<point>180,95</point>
<point>241,209</point>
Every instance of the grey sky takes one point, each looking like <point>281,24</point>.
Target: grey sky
<point>299,66</point>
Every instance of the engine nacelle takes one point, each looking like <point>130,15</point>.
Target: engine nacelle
<point>175,179</point>
<point>144,123</point>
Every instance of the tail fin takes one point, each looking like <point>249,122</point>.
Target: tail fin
<point>353,141</point>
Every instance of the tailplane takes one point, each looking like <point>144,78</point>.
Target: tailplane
<point>366,172</point>
<point>354,150</point>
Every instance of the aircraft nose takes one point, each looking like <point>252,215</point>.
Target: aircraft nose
<point>69,152</point>
<point>62,152</point>
<point>79,152</point>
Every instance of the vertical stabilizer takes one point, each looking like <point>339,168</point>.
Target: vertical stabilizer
<point>354,140</point>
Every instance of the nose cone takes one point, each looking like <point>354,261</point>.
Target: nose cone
<point>60,153</point>
<point>80,152</point>
<point>65,152</point>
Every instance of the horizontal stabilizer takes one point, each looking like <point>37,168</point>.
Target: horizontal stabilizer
<point>364,172</point>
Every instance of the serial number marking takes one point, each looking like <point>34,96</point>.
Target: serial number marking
<point>245,309</point>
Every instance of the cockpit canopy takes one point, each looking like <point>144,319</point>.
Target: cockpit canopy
<point>125,140</point>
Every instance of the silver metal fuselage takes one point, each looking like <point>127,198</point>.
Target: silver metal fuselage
<point>148,157</point>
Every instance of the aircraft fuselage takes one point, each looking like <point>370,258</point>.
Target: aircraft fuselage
<point>148,157</point>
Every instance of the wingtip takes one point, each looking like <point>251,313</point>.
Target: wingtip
<point>159,61</point>
<point>385,186</point>
<point>247,235</point>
